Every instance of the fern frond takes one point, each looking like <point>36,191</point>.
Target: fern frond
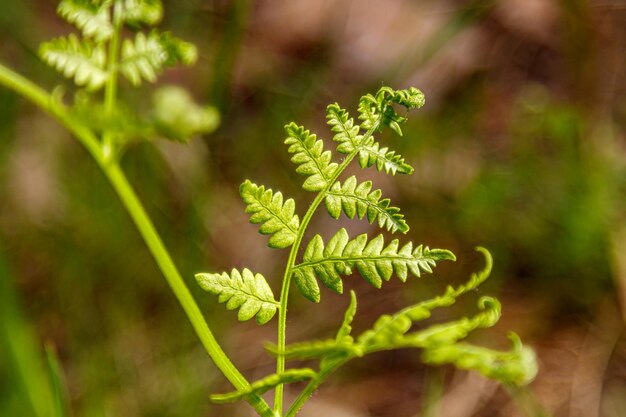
<point>387,327</point>
<point>448,333</point>
<point>265,384</point>
<point>382,158</point>
<point>376,112</point>
<point>143,12</point>
<point>179,117</point>
<point>309,154</point>
<point>517,366</point>
<point>93,20</point>
<point>346,132</point>
<point>360,200</point>
<point>177,51</point>
<point>372,259</point>
<point>344,331</point>
<point>82,60</point>
<point>143,57</point>
<point>390,332</point>
<point>247,291</point>
<point>276,218</point>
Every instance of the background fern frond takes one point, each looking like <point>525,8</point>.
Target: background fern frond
<point>177,51</point>
<point>390,332</point>
<point>372,259</point>
<point>143,12</point>
<point>93,20</point>
<point>360,200</point>
<point>143,57</point>
<point>82,60</point>
<point>448,333</point>
<point>276,218</point>
<point>247,291</point>
<point>517,366</point>
<point>400,323</point>
<point>265,384</point>
<point>178,117</point>
<point>346,132</point>
<point>309,154</point>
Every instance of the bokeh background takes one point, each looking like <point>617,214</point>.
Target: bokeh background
<point>520,148</point>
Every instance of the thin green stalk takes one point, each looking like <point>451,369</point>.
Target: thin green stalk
<point>284,292</point>
<point>312,386</point>
<point>51,105</point>
<point>131,202</point>
<point>110,89</point>
<point>167,267</point>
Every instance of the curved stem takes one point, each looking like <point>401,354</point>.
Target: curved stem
<point>131,202</point>
<point>174,279</point>
<point>284,292</point>
<point>110,89</point>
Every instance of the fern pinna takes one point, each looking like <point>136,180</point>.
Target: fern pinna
<point>375,260</point>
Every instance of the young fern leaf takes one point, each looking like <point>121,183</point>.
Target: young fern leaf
<point>346,132</point>
<point>143,12</point>
<point>344,331</point>
<point>178,117</point>
<point>276,218</point>
<point>372,259</point>
<point>377,111</point>
<point>313,161</point>
<point>82,60</point>
<point>247,291</point>
<point>371,154</point>
<point>517,366</point>
<point>265,384</point>
<point>448,333</point>
<point>388,327</point>
<point>93,20</point>
<point>143,57</point>
<point>361,200</point>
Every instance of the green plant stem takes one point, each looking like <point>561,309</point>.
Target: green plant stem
<point>110,89</point>
<point>112,171</point>
<point>167,267</point>
<point>284,292</point>
<point>313,385</point>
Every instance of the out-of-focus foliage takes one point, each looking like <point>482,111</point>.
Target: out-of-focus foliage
<point>520,148</point>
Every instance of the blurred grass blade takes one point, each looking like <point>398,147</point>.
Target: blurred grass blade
<point>21,355</point>
<point>60,395</point>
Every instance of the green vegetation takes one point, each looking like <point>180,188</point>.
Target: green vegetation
<point>497,158</point>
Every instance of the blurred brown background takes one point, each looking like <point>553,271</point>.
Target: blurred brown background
<point>520,148</point>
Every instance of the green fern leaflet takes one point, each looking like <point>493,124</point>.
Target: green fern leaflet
<point>276,217</point>
<point>313,161</point>
<point>243,290</point>
<point>359,199</point>
<point>372,259</point>
<point>94,20</point>
<point>82,60</point>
